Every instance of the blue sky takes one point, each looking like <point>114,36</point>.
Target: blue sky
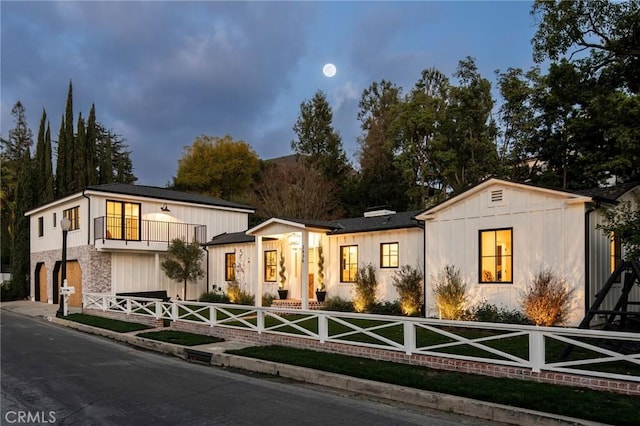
<point>162,73</point>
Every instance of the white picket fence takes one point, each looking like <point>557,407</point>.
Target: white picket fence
<point>446,338</point>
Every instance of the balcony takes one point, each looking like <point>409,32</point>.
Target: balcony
<point>116,233</point>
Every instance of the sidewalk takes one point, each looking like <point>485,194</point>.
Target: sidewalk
<point>214,354</point>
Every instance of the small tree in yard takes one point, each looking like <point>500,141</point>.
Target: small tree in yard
<point>183,264</point>
<point>547,301</point>
<point>450,293</point>
<point>366,287</point>
<point>409,285</point>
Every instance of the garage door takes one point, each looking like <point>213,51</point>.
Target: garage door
<point>74,279</point>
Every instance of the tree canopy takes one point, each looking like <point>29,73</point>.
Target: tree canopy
<point>183,262</point>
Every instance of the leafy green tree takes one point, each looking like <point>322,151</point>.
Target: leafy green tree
<point>317,139</point>
<point>183,263</point>
<point>608,30</point>
<point>623,222</point>
<point>378,166</point>
<point>220,167</point>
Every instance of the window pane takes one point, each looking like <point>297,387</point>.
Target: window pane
<point>488,243</point>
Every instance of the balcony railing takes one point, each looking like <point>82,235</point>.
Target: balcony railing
<point>149,231</point>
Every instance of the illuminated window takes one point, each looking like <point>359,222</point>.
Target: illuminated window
<point>270,267</point>
<point>41,226</point>
<point>496,257</point>
<point>229,266</point>
<point>123,221</point>
<point>616,255</point>
<point>73,214</point>
<point>389,255</point>
<point>348,263</point>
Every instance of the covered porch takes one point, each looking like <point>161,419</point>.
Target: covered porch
<point>299,267</point>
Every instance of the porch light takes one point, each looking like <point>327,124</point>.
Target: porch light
<point>164,208</point>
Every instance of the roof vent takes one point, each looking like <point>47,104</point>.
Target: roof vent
<point>496,196</point>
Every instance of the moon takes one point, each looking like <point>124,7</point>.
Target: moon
<point>329,70</point>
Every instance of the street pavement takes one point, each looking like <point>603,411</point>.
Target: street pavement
<point>496,413</point>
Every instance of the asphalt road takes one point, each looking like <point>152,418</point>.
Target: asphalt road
<point>53,375</point>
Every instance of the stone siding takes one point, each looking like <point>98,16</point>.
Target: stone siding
<point>95,267</point>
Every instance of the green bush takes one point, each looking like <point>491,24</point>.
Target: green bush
<point>245,298</point>
<point>366,287</point>
<point>409,285</point>
<point>336,303</point>
<point>10,290</point>
<point>547,301</point>
<point>450,294</point>
<point>267,299</point>
<point>214,297</point>
<point>486,312</point>
<point>387,308</point>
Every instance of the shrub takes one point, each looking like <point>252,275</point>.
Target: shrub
<point>486,312</point>
<point>336,303</point>
<point>214,297</point>
<point>387,308</point>
<point>366,286</point>
<point>267,299</point>
<point>233,291</point>
<point>547,301</point>
<point>245,298</point>
<point>408,283</point>
<point>450,293</point>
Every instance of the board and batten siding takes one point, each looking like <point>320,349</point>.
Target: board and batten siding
<point>411,252</point>
<point>548,232</point>
<point>52,235</point>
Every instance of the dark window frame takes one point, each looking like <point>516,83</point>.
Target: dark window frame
<point>389,257</point>
<point>345,273</point>
<point>273,265</point>
<point>73,214</point>
<point>123,232</point>
<point>41,226</point>
<point>230,266</point>
<point>480,256</point>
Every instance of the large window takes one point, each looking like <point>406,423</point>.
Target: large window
<point>73,214</point>
<point>41,226</point>
<point>270,267</point>
<point>123,220</point>
<point>229,266</point>
<point>616,255</point>
<point>389,255</point>
<point>348,263</point>
<point>496,257</point>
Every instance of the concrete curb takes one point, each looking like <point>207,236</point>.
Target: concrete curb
<point>421,398</point>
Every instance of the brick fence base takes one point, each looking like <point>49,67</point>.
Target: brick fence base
<point>441,363</point>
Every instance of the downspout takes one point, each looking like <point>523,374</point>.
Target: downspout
<point>206,250</point>
<point>88,216</point>
<point>587,269</point>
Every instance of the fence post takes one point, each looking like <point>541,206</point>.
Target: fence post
<point>260,322</point>
<point>128,306</point>
<point>104,303</point>
<point>536,350</point>
<point>213,317</point>
<point>323,328</point>
<point>158,309</point>
<point>174,311</point>
<point>409,337</point>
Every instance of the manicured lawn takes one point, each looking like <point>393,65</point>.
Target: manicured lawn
<point>107,323</point>
<point>180,337</point>
<point>581,403</point>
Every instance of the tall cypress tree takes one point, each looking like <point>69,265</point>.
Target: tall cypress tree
<point>91,140</point>
<point>42,171</point>
<point>62,184</point>
<point>79,161</point>
<point>69,171</point>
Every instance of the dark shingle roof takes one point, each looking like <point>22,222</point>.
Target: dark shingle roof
<point>165,194</point>
<point>231,238</point>
<point>376,223</point>
<point>610,193</point>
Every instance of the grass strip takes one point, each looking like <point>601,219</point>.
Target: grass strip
<point>107,323</point>
<point>180,337</point>
<point>569,401</point>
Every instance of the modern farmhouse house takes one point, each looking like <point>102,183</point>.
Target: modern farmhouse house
<point>302,251</point>
<point>499,234</point>
<point>118,237</point>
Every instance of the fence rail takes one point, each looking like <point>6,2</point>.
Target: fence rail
<point>597,353</point>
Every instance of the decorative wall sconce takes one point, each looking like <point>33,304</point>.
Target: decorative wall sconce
<point>164,208</point>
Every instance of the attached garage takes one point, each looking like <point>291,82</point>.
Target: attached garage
<point>41,283</point>
<point>74,279</point>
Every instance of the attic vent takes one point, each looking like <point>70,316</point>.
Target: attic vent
<point>496,196</point>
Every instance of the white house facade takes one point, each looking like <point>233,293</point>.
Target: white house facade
<point>499,234</point>
<point>311,252</point>
<point>119,236</point>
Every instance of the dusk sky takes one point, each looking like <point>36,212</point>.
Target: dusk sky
<point>162,73</point>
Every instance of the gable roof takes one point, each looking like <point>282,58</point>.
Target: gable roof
<point>610,193</point>
<point>165,194</point>
<point>571,196</point>
<point>376,223</point>
<point>233,238</point>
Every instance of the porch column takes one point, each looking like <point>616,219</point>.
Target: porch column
<point>256,275</point>
<point>157,270</point>
<point>304,270</point>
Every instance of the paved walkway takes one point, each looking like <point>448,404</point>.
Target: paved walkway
<point>502,414</point>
